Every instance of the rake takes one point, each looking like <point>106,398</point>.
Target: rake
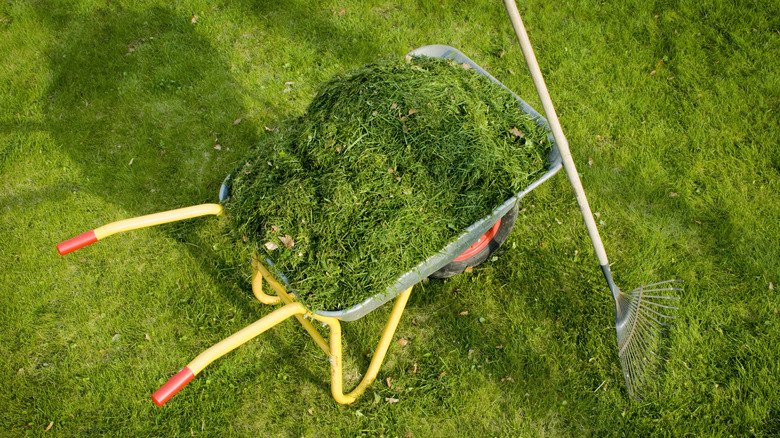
<point>639,314</point>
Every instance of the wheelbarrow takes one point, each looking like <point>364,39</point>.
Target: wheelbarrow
<point>471,248</point>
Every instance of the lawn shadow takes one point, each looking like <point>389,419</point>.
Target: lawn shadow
<point>147,112</point>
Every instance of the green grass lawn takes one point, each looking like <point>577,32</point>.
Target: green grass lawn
<point>110,110</point>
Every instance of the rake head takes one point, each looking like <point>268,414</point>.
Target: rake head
<point>640,318</point>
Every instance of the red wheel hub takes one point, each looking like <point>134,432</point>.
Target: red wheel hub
<point>480,243</point>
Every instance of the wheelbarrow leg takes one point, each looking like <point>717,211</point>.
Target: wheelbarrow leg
<point>336,359</point>
<point>334,352</point>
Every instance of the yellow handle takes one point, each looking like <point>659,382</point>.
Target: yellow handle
<point>149,220</point>
<point>163,217</point>
<point>242,336</point>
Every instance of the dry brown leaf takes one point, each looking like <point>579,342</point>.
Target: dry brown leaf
<point>148,338</point>
<point>402,342</point>
<point>673,195</point>
<point>444,373</point>
<point>389,382</point>
<point>468,269</point>
<point>343,12</point>
<point>287,241</point>
<point>590,161</point>
<point>465,66</point>
<point>218,147</point>
<point>414,370</point>
<point>394,106</point>
<point>516,132</point>
<point>271,246</point>
<point>412,111</point>
<point>464,313</point>
<point>237,121</point>
<point>391,400</point>
<point>49,426</point>
<point>771,286</point>
<point>653,72</point>
<point>274,228</point>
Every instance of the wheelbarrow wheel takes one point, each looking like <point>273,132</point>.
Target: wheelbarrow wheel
<point>482,249</point>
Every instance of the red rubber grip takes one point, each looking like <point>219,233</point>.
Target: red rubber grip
<point>77,242</point>
<point>172,386</point>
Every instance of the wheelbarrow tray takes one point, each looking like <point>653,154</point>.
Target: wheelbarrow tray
<point>469,236</point>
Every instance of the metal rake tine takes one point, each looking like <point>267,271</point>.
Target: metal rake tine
<point>660,305</point>
<point>637,350</point>
<point>627,364</point>
<point>639,339</point>
<point>646,336</point>
<point>644,293</point>
<point>656,328</point>
<point>658,297</point>
<point>661,315</point>
<point>636,363</point>
<point>665,297</point>
<point>661,282</point>
<point>665,289</point>
<point>638,370</point>
<point>648,326</point>
<point>632,373</point>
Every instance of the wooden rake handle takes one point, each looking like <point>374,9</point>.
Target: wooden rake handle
<point>555,126</point>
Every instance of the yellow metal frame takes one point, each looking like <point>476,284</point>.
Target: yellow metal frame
<point>291,308</point>
<point>294,308</point>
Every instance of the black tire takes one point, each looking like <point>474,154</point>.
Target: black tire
<point>454,268</point>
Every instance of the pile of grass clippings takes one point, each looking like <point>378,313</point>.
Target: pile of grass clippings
<point>388,165</point>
